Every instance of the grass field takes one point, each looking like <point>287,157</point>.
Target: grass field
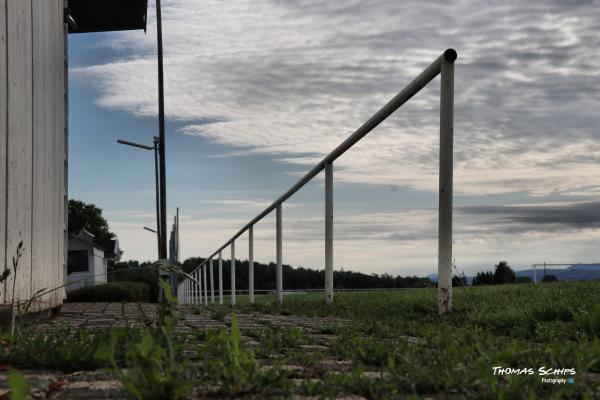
<point>548,326</point>
<point>379,345</point>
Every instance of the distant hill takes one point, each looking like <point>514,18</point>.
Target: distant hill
<point>575,272</point>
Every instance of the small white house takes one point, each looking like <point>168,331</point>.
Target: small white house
<point>87,261</point>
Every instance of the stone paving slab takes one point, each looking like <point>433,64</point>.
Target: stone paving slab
<point>92,385</point>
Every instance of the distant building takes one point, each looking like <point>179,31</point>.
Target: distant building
<point>88,261</point>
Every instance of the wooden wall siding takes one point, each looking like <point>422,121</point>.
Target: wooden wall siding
<point>32,146</point>
<point>19,142</point>
<point>3,110</point>
<point>62,152</point>
<point>47,68</point>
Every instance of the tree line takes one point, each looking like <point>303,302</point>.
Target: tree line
<point>304,278</point>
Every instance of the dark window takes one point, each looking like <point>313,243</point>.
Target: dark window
<point>78,261</point>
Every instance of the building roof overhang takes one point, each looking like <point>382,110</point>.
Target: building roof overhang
<point>107,15</point>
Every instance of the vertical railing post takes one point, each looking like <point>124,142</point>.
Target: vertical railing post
<point>205,284</point>
<point>220,277</point>
<point>197,292</point>
<point>212,282</point>
<point>251,264</point>
<point>233,272</point>
<point>200,284</point>
<point>328,233</point>
<point>445,183</point>
<point>192,292</point>
<point>279,270</point>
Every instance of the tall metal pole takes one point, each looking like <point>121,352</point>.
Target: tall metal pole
<point>251,264</point>
<point>446,183</point>
<point>161,133</point>
<point>279,270</point>
<point>328,233</point>
<point>157,185</point>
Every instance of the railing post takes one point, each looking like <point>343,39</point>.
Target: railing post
<point>197,288</point>
<point>329,233</point>
<point>212,282</point>
<point>233,272</point>
<point>200,284</point>
<point>205,284</point>
<point>251,264</point>
<point>191,297</point>
<point>220,277</point>
<point>445,183</point>
<point>279,270</point>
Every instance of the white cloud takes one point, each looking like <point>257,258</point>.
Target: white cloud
<point>298,77</point>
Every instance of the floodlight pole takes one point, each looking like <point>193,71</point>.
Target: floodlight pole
<point>157,185</point>
<point>156,182</point>
<point>161,138</point>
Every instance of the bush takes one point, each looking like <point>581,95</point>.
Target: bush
<point>121,273</point>
<point>112,291</point>
<point>550,278</point>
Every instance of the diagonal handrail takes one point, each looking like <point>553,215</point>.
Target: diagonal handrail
<point>443,65</point>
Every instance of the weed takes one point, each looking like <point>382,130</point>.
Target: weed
<point>154,370</point>
<point>19,389</point>
<point>225,363</point>
<point>65,348</point>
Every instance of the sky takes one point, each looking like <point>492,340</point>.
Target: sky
<point>258,91</point>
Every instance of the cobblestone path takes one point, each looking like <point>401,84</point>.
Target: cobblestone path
<point>101,385</point>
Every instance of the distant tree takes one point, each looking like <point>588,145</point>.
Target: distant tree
<point>524,279</point>
<point>504,274</point>
<point>89,217</point>
<point>484,278</point>
<point>459,280</point>
<point>550,278</point>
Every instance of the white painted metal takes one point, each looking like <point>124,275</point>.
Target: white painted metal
<point>251,264</point>
<point>212,282</point>
<point>443,65</point>
<point>220,278</point>
<point>279,245</point>
<point>205,284</point>
<point>445,187</point>
<point>233,273</point>
<point>329,233</point>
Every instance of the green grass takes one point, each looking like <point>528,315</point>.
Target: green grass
<point>521,326</point>
<point>415,352</point>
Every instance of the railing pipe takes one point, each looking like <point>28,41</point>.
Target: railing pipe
<point>446,185</point>
<point>406,94</point>
<point>220,278</point>
<point>279,245</point>
<point>251,264</point>
<point>212,282</point>
<point>443,65</point>
<point>233,273</point>
<point>205,284</point>
<point>329,233</point>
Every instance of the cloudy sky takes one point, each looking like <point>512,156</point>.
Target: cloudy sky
<point>258,91</point>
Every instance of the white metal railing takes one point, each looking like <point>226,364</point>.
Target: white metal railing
<point>190,292</point>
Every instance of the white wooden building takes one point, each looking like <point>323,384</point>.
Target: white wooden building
<point>33,134</point>
<point>87,262</point>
